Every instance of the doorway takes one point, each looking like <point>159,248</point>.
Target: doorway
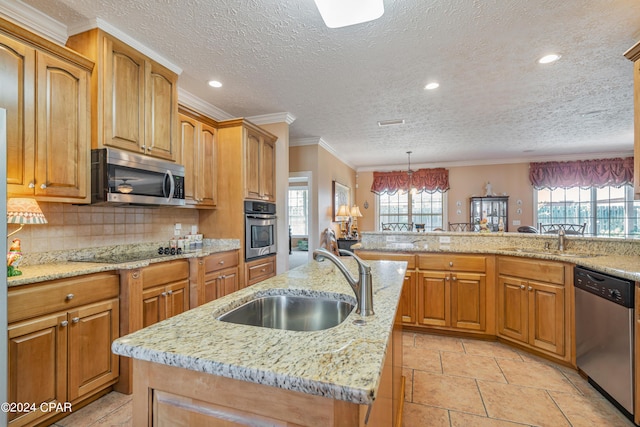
<point>298,206</point>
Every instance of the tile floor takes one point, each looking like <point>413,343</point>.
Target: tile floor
<point>456,382</point>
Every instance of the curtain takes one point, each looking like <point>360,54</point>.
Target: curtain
<point>582,173</point>
<point>429,180</point>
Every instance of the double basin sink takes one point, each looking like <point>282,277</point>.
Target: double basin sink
<point>290,312</point>
<point>563,254</point>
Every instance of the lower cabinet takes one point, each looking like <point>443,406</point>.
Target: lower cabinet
<point>534,304</point>
<point>60,336</point>
<point>162,302</point>
<point>259,270</point>
<point>213,276</point>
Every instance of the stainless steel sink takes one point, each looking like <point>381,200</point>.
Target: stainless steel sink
<point>564,254</point>
<point>293,313</point>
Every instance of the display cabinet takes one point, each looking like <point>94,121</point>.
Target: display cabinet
<point>494,208</point>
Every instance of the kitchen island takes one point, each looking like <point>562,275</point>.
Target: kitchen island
<point>194,369</point>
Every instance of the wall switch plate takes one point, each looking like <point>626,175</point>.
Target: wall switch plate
<point>516,222</point>
<point>176,232</point>
<point>178,226</point>
<point>445,239</point>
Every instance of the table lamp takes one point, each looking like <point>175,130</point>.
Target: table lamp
<point>355,213</point>
<point>20,211</point>
<point>343,215</point>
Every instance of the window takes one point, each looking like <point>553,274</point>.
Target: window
<point>607,211</point>
<point>298,210</point>
<point>420,208</point>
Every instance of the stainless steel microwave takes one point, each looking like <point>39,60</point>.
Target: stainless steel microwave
<point>121,178</point>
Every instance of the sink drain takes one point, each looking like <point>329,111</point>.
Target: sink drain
<point>359,322</point>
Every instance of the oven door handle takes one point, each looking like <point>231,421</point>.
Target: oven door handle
<point>261,216</point>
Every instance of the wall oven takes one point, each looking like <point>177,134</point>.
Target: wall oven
<point>260,229</point>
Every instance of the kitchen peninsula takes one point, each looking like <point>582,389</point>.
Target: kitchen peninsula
<point>193,367</point>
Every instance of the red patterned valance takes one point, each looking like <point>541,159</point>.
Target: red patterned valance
<point>428,180</point>
<point>582,173</point>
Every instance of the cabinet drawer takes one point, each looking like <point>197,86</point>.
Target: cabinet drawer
<point>28,301</point>
<point>260,270</point>
<point>410,259</point>
<point>165,272</point>
<point>538,270</point>
<point>450,262</point>
<point>220,261</point>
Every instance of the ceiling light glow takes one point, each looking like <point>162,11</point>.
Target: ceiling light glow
<point>215,83</point>
<point>432,86</point>
<point>340,13</point>
<point>548,59</point>
<point>391,122</point>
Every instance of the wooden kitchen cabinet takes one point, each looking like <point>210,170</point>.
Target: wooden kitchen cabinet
<point>165,291</point>
<point>259,166</point>
<point>213,276</point>
<point>45,89</point>
<point>633,54</point>
<point>135,99</point>
<point>198,155</point>
<point>260,269</point>
<point>533,304</point>
<point>60,336</point>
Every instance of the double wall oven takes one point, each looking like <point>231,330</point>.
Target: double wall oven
<point>260,229</point>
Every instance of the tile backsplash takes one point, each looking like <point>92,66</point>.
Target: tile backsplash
<point>78,227</point>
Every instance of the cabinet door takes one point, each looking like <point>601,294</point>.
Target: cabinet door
<point>228,282</point>
<point>161,113</point>
<point>546,317</point>
<point>37,363</point>
<point>434,299</point>
<point>252,166</point>
<point>468,301</point>
<point>63,129</point>
<point>267,172</point>
<point>153,306</point>
<point>17,96</point>
<point>189,131</point>
<point>177,298</point>
<point>408,298</point>
<point>92,329</point>
<point>512,309</point>
<point>124,84</point>
<point>211,288</point>
<point>207,190</point>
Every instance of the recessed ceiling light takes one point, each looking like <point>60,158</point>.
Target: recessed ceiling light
<point>432,86</point>
<point>340,13</point>
<point>548,59</point>
<point>390,122</point>
<point>215,83</point>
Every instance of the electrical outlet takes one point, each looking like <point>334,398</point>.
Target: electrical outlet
<point>516,222</point>
<point>178,226</point>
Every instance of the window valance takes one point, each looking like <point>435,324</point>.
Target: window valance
<point>582,173</point>
<point>429,180</point>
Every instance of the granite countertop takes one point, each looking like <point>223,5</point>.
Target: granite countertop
<point>57,268</point>
<point>344,362</point>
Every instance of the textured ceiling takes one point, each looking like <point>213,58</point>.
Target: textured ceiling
<point>495,102</point>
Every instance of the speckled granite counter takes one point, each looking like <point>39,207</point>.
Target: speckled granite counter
<point>619,257</point>
<point>51,266</point>
<point>344,362</point>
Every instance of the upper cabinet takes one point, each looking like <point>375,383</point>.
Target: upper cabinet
<point>259,165</point>
<point>45,89</point>
<point>633,54</point>
<point>198,154</point>
<point>135,100</point>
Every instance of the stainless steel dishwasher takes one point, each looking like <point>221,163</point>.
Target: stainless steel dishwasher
<point>604,334</point>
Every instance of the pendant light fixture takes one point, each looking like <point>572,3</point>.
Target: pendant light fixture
<point>341,13</point>
<point>410,175</point>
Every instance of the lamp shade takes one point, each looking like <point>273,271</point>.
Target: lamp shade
<point>343,211</point>
<point>355,211</point>
<point>24,211</point>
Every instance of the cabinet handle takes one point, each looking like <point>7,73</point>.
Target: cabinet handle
<point>32,185</point>
<point>221,262</point>
<point>263,270</point>
<point>446,278</point>
<point>43,186</point>
<point>69,297</point>
<point>64,323</point>
<point>149,149</point>
<point>522,287</point>
<point>170,293</point>
<point>75,320</point>
<point>143,147</point>
<point>530,288</point>
<point>454,278</point>
<point>164,294</point>
<point>450,263</point>
<point>200,262</point>
<point>223,277</point>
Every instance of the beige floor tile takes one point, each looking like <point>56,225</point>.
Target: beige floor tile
<point>419,415</point>
<point>469,365</point>
<point>454,393</point>
<point>533,374</point>
<point>424,360</point>
<point>581,384</point>
<point>408,384</point>
<point>122,417</point>
<point>521,404</point>
<point>439,342</point>
<point>94,411</point>
<point>490,348</point>
<point>460,419</point>
<point>587,412</point>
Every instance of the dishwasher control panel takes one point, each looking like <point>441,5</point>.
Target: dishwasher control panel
<point>615,289</point>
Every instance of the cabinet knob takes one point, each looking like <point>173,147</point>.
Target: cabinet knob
<point>446,278</point>
<point>450,263</point>
<point>75,320</point>
<point>149,149</point>
<point>221,262</point>
<point>200,262</point>
<point>263,270</point>
<point>170,293</point>
<point>64,323</point>
<point>223,277</point>
<point>69,297</point>
<point>143,147</point>
<point>43,186</point>
<point>530,288</point>
<point>164,294</point>
<point>32,185</point>
<point>522,287</point>
<point>454,278</point>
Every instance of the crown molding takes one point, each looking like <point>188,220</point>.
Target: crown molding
<point>563,158</point>
<point>266,119</point>
<point>124,37</point>
<point>34,20</point>
<point>299,142</point>
<point>189,100</point>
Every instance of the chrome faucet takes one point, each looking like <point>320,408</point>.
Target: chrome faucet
<point>362,287</point>
<point>561,240</point>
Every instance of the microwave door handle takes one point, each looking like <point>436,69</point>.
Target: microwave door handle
<point>172,187</point>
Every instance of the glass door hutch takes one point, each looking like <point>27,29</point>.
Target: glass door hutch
<point>493,208</point>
